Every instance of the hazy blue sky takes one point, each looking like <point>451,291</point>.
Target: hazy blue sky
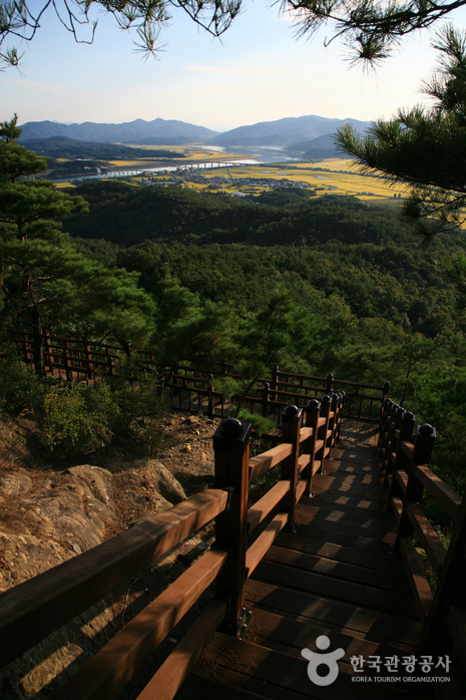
<point>257,72</point>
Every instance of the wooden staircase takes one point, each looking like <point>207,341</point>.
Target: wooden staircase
<point>336,577</point>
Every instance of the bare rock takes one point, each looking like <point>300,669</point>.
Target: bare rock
<point>165,483</point>
<point>14,483</point>
<point>99,481</point>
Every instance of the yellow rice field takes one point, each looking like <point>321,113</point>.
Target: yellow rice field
<point>336,176</point>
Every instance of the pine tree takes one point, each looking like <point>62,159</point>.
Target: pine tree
<point>425,149</point>
<point>45,283</point>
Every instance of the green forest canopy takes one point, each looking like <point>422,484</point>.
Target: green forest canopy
<point>356,293</point>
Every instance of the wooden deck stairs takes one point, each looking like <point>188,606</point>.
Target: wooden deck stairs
<point>332,569</point>
<point>336,577</point>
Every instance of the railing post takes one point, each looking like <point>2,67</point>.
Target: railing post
<point>332,424</point>
<point>329,383</point>
<point>66,362</point>
<point>394,442</point>
<point>275,381</point>
<point>48,357</point>
<point>401,458</point>
<point>312,418</point>
<point>342,395</point>
<point>291,418</point>
<point>231,447</point>
<point>210,388</point>
<point>322,432</point>
<point>422,452</point>
<point>450,592</point>
<point>265,399</point>
<point>87,350</point>
<point>109,360</point>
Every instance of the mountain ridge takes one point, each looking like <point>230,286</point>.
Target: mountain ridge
<point>280,133</point>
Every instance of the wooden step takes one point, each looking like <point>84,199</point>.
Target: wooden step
<point>277,676</point>
<point>348,618</point>
<point>338,552</point>
<point>345,591</point>
<point>338,570</point>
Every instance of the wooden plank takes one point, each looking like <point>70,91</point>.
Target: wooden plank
<point>372,505</point>
<point>305,433</point>
<point>286,672</point>
<point>339,570</point>
<point>168,679</point>
<point>258,549</point>
<point>359,509</point>
<point>347,591</point>
<point>408,448</point>
<point>114,665</point>
<point>196,686</point>
<point>402,479</point>
<point>350,466</point>
<point>303,461</point>
<point>422,593</point>
<point>35,608</point>
<point>429,539</point>
<point>291,635</point>
<point>300,489</point>
<point>324,482</point>
<point>397,506</point>
<point>262,463</point>
<point>353,479</point>
<point>356,541</point>
<point>337,613</point>
<point>443,494</point>
<point>338,552</point>
<point>365,529</point>
<point>264,505</point>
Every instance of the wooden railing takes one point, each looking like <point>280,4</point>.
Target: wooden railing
<point>77,360</point>
<point>268,396</point>
<point>32,610</point>
<point>406,454</point>
<point>191,386</point>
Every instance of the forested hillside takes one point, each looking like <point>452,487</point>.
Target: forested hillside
<point>329,284</point>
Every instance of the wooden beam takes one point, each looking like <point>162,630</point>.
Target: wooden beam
<point>170,676</point>
<point>264,505</point>
<point>31,611</point>
<point>114,665</point>
<point>265,461</point>
<point>263,543</point>
<point>420,587</point>
<point>443,494</point>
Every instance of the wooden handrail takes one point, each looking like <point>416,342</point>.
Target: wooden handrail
<point>269,459</point>
<point>37,607</point>
<point>113,666</point>
<point>442,493</point>
<point>32,610</point>
<point>407,474</point>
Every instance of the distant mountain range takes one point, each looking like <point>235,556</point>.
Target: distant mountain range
<point>309,134</point>
<point>140,132</point>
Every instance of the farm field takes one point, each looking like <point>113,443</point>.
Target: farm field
<point>331,176</point>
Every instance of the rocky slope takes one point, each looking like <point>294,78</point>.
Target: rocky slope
<point>48,515</point>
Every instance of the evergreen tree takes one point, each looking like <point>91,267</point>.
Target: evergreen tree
<point>425,149</point>
<point>45,283</point>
